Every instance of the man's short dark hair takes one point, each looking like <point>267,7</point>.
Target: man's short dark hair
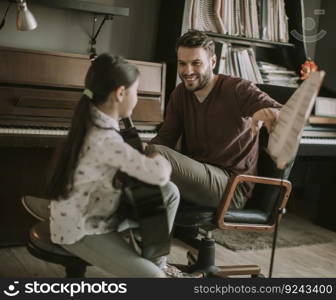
<point>196,39</point>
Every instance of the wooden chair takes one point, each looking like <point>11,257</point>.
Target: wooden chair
<point>262,213</point>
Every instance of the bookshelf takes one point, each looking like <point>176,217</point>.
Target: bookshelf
<point>175,20</point>
<point>319,120</point>
<point>239,40</point>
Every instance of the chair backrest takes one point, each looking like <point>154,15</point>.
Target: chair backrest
<point>266,197</point>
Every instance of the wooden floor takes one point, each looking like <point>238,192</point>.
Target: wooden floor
<point>305,261</point>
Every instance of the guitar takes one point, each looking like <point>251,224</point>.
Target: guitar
<point>144,204</point>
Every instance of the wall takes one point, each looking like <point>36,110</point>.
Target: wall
<point>68,31</point>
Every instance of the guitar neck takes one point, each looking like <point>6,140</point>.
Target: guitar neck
<point>130,135</point>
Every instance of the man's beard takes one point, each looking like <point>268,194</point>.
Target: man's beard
<point>203,81</point>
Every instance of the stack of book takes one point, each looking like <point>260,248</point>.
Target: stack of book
<point>240,17</point>
<point>257,19</point>
<point>241,62</point>
<point>237,62</point>
<point>274,21</point>
<point>325,112</point>
<point>277,75</point>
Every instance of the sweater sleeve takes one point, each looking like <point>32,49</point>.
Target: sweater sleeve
<point>251,99</point>
<point>171,129</point>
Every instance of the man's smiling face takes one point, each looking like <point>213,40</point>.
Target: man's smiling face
<point>194,67</point>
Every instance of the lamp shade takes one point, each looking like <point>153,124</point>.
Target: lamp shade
<point>25,19</point>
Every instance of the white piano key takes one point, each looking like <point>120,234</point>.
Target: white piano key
<point>33,131</point>
<point>318,141</point>
<point>145,135</point>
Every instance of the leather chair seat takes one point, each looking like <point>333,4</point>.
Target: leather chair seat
<point>40,237</point>
<point>206,217</point>
<point>196,217</point>
<point>248,216</point>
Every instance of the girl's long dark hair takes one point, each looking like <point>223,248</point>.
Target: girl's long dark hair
<point>106,74</point>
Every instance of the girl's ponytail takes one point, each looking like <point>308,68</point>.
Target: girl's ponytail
<point>104,75</point>
<point>62,180</point>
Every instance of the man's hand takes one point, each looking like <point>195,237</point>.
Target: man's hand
<point>266,116</point>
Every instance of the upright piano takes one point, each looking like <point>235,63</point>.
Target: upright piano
<point>318,140</point>
<point>314,176</point>
<point>38,93</point>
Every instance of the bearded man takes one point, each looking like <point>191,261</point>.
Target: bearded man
<point>218,118</point>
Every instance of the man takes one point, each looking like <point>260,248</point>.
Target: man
<point>218,117</point>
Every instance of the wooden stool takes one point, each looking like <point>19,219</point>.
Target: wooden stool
<point>40,245</point>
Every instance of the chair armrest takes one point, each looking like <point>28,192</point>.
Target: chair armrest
<point>231,188</point>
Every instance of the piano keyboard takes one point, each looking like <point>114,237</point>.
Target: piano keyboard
<point>145,135</point>
<point>318,141</point>
<point>33,131</point>
<point>316,137</point>
<point>308,137</point>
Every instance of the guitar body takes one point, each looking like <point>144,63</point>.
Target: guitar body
<point>143,203</point>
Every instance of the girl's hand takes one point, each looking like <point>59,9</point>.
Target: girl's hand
<point>144,146</point>
<point>153,154</point>
<point>149,151</point>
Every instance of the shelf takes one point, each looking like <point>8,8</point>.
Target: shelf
<point>248,41</point>
<point>322,120</point>
<point>101,7</point>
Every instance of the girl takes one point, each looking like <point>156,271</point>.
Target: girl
<point>83,210</point>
